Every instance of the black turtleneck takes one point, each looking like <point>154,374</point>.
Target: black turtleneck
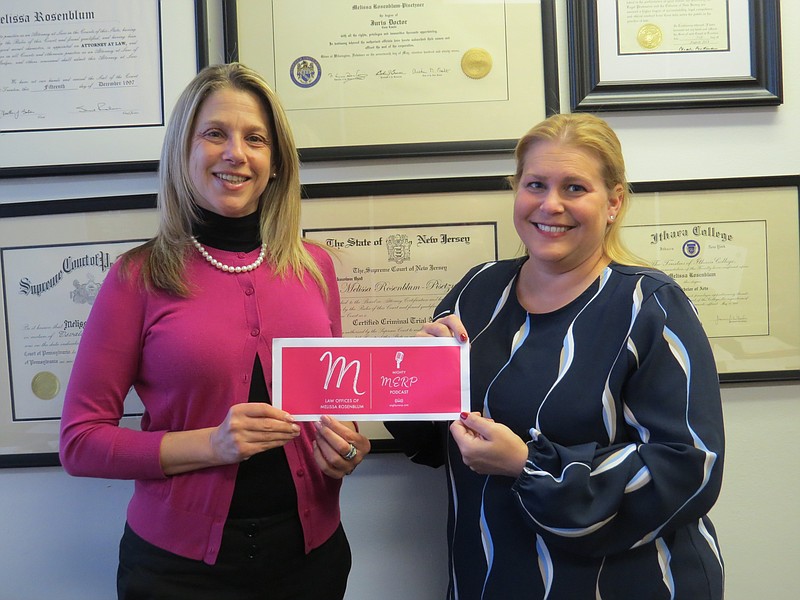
<point>264,484</point>
<point>232,234</point>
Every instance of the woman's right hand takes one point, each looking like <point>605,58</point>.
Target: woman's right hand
<point>449,326</point>
<point>251,428</point>
<point>248,429</point>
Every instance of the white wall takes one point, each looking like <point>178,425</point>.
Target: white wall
<point>58,535</point>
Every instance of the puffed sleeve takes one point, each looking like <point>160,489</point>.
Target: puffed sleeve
<point>596,500</point>
<point>92,442</point>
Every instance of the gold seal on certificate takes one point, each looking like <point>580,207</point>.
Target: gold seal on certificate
<point>45,385</point>
<point>649,36</point>
<point>476,63</point>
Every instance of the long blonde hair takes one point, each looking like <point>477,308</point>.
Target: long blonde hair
<point>592,134</point>
<point>279,205</point>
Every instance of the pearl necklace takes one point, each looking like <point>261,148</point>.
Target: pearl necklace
<point>228,268</point>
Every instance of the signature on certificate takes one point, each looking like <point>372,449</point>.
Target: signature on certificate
<point>390,73</point>
<point>731,319</point>
<point>348,76</point>
<point>15,113</point>
<point>432,71</point>
<point>99,107</point>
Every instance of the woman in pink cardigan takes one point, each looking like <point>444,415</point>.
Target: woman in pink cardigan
<point>233,499</point>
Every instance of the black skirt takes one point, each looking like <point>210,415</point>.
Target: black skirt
<point>259,559</point>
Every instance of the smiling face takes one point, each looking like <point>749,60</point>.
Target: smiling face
<point>562,207</point>
<point>230,157</point>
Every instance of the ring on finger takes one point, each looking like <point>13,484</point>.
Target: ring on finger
<point>351,453</point>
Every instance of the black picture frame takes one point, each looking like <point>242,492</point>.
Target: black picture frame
<point>28,231</point>
<point>100,137</point>
<point>588,93</point>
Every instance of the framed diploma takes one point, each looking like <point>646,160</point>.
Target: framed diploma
<point>400,246</point>
<point>649,54</point>
<point>88,88</point>
<point>733,246</point>
<point>383,79</point>
<point>51,267</point>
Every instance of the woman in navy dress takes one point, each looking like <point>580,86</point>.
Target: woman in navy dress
<point>594,449</point>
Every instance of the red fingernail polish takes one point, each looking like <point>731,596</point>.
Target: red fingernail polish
<point>464,415</point>
<point>463,337</point>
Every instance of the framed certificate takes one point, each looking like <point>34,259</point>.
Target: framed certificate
<point>733,245</point>
<point>398,249</point>
<point>51,267</point>
<point>639,55</point>
<point>89,88</point>
<point>401,78</point>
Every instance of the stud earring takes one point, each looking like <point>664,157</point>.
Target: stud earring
<point>611,218</point>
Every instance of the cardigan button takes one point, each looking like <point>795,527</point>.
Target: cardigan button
<point>300,472</point>
<point>252,529</point>
<point>255,332</point>
<point>254,551</point>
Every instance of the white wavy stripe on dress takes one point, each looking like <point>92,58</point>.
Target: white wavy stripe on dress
<point>614,460</point>
<point>712,543</point>
<point>608,400</point>
<point>486,538</point>
<point>546,567</point>
<point>681,356</point>
<point>516,343</point>
<point>638,481</point>
<point>631,346</point>
<point>597,594</point>
<point>630,419</point>
<point>457,311</point>
<point>454,495</point>
<point>609,403</point>
<point>664,559</point>
<point>457,305</point>
<point>567,532</point>
<point>501,302</point>
<point>679,350</point>
<point>568,347</point>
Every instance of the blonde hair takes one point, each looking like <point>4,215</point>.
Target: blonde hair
<point>592,134</point>
<point>279,205</point>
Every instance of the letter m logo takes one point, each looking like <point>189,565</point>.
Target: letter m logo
<point>344,367</point>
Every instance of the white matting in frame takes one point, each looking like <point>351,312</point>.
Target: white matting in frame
<point>633,55</point>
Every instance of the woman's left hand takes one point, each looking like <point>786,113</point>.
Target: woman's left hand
<point>489,448</point>
<point>338,449</point>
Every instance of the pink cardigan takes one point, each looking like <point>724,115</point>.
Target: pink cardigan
<point>190,359</point>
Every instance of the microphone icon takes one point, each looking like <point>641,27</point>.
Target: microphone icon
<point>398,358</point>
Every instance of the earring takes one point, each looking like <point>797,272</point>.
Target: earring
<point>612,217</point>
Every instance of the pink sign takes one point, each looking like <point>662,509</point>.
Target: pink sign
<point>371,379</point>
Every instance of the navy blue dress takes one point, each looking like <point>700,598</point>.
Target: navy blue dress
<point>617,396</point>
